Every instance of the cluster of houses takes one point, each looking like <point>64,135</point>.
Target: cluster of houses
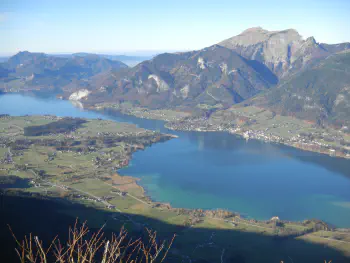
<point>142,113</point>
<point>4,116</point>
<point>103,199</point>
<point>7,158</point>
<point>196,124</point>
<point>118,192</point>
<point>35,184</point>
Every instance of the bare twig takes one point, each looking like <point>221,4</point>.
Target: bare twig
<point>81,247</point>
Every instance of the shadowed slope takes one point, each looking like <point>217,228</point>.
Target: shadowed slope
<point>47,218</point>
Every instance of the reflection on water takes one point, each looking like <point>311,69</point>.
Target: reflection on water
<point>77,104</point>
<point>228,142</point>
<point>220,170</point>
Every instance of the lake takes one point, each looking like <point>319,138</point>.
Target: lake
<point>219,170</point>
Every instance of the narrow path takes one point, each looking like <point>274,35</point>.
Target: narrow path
<point>17,127</point>
<point>194,75</point>
<point>240,222</point>
<point>138,199</point>
<point>211,96</point>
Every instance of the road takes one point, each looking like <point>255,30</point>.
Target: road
<point>138,199</point>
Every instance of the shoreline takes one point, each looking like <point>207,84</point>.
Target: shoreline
<point>242,136</point>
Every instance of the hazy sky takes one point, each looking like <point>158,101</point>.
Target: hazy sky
<point>137,25</point>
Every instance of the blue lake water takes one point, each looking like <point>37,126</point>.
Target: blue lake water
<point>219,170</point>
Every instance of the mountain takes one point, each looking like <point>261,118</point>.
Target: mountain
<point>283,52</point>
<point>26,70</point>
<point>128,60</point>
<point>321,93</point>
<point>212,76</point>
<point>3,72</point>
<point>87,65</point>
<point>3,59</point>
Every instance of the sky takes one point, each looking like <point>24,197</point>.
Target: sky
<point>153,26</point>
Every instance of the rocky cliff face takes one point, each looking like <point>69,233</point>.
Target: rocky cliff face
<point>284,52</point>
<point>78,95</point>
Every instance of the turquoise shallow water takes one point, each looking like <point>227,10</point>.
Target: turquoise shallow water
<point>219,170</point>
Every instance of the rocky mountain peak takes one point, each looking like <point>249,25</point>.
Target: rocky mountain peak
<point>278,50</point>
<point>254,29</point>
<point>311,40</point>
<point>256,35</point>
<point>27,54</point>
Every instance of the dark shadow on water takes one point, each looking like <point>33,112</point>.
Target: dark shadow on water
<point>47,218</point>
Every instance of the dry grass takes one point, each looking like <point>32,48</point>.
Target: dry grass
<point>85,247</point>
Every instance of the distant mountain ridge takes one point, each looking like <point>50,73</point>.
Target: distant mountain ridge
<point>126,59</point>
<point>39,71</point>
<point>38,62</point>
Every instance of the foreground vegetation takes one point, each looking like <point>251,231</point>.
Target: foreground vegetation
<point>85,247</point>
